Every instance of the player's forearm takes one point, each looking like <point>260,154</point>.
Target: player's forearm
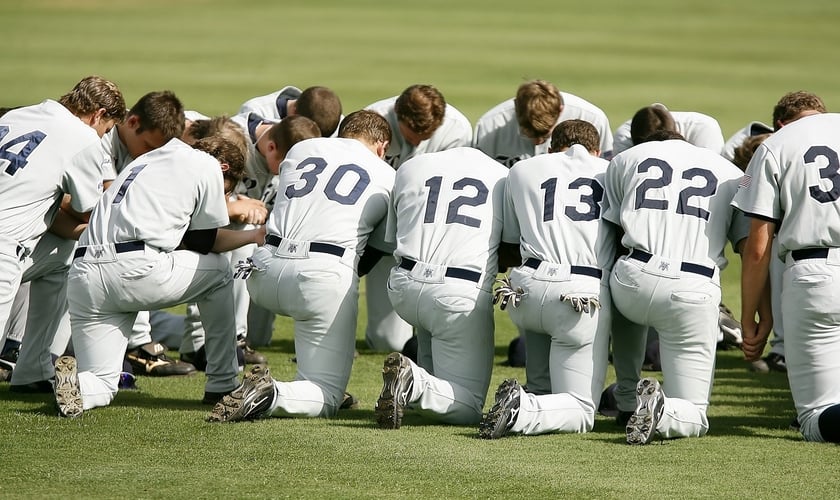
<point>755,266</point>
<point>229,239</point>
<point>67,225</point>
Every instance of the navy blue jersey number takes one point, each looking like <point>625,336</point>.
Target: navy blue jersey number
<point>310,178</point>
<point>830,172</point>
<point>593,200</point>
<point>453,216</point>
<point>18,160</point>
<point>708,188</point>
<point>127,182</point>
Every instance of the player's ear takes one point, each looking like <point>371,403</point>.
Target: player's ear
<point>381,148</point>
<point>225,166</point>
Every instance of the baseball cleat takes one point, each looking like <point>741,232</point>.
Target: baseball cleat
<point>501,417</point>
<point>397,386</point>
<point>68,396</point>
<point>650,404</point>
<point>151,359</point>
<point>251,400</point>
<point>730,327</point>
<point>349,402</point>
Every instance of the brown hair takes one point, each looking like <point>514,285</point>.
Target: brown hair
<point>291,130</point>
<point>792,104</point>
<point>421,108</point>
<point>93,93</point>
<point>538,105</point>
<point>322,106</point>
<point>223,127</point>
<point>570,132</point>
<point>365,125</point>
<point>744,152</point>
<point>161,111</point>
<point>226,152</point>
<point>651,119</point>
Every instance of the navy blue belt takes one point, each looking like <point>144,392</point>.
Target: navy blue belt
<point>584,270</point>
<point>687,267</point>
<point>128,246</point>
<point>314,246</point>
<point>451,272</point>
<point>809,253</point>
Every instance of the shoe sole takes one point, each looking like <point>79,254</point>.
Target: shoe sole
<point>237,406</point>
<point>389,412</point>
<point>642,424</point>
<point>495,423</point>
<point>68,396</point>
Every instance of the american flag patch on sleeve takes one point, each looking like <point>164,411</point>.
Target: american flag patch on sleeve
<point>745,181</point>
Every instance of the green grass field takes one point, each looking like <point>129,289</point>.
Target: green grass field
<point>732,60</point>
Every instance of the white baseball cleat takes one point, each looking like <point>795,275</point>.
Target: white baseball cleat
<point>501,417</point>
<point>251,400</point>
<point>397,385</point>
<point>68,396</point>
<point>650,404</point>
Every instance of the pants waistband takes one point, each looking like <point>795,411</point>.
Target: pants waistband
<point>809,253</point>
<point>128,246</point>
<point>451,272</point>
<point>687,267</point>
<point>314,246</point>
<point>584,270</point>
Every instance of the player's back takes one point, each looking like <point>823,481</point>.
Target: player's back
<point>45,151</point>
<point>497,134</point>
<point>448,209</point>
<point>672,199</point>
<point>697,128</point>
<point>553,209</point>
<point>804,158</point>
<point>454,131</point>
<point>273,105</point>
<point>158,197</point>
<point>578,108</point>
<point>331,190</point>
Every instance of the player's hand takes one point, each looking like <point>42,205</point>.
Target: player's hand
<point>755,337</point>
<point>247,210</point>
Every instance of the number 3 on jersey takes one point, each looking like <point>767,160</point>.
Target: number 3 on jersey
<point>17,160</point>
<point>467,184</point>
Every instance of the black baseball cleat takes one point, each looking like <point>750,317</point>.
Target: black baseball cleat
<point>349,402</point>
<point>776,362</point>
<point>501,417</point>
<point>397,385</point>
<point>650,404</point>
<point>68,395</point>
<point>151,359</point>
<point>251,400</point>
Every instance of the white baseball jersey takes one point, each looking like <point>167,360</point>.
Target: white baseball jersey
<point>455,131</point>
<point>271,106</point>
<point>553,209</point>
<point>184,190</point>
<point>793,180</point>
<point>753,128</point>
<point>698,129</point>
<point>45,151</point>
<point>672,200</point>
<point>497,131</point>
<point>257,175</point>
<point>447,210</point>
<point>324,196</point>
<point>116,155</point>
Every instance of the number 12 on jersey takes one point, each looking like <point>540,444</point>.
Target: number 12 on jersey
<point>453,216</point>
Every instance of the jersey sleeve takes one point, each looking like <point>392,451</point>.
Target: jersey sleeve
<point>210,208</point>
<point>621,138</point>
<point>511,232</point>
<point>613,192</point>
<point>757,193</point>
<point>84,176</point>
